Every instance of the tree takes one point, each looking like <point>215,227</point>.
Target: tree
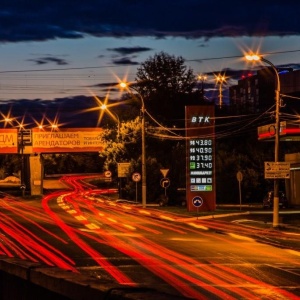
<point>167,85</point>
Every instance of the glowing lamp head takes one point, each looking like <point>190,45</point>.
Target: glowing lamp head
<point>123,85</point>
<point>253,57</point>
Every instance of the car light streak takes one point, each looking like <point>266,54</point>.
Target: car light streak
<point>259,284</point>
<point>185,274</point>
<point>241,237</point>
<point>36,249</point>
<point>100,259</point>
<point>112,220</point>
<point>198,226</point>
<point>166,218</point>
<point>297,253</point>
<point>92,226</point>
<point>145,212</point>
<point>126,207</point>
<point>129,227</point>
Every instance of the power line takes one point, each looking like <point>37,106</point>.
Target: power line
<point>118,66</point>
<point>239,56</point>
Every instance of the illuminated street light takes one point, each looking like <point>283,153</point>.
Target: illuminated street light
<point>20,126</point>
<point>256,57</point>
<point>124,85</point>
<point>220,79</point>
<point>202,78</point>
<point>114,116</point>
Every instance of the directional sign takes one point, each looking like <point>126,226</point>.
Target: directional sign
<point>165,182</point>
<point>136,177</point>
<point>277,170</point>
<point>123,169</point>
<point>197,201</point>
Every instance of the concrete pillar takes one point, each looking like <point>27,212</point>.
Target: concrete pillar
<point>36,182</point>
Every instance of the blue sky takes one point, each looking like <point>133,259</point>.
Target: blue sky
<point>56,49</point>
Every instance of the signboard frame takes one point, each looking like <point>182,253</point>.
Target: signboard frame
<point>9,141</point>
<point>67,140</point>
<point>123,169</point>
<point>200,156</point>
<point>277,170</point>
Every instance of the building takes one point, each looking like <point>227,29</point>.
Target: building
<point>256,93</point>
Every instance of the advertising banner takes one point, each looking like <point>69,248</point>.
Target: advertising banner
<point>67,140</point>
<point>200,158</point>
<point>8,141</point>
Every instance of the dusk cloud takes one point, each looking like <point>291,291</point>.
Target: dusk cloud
<point>49,59</point>
<point>46,20</point>
<point>125,61</point>
<point>130,50</point>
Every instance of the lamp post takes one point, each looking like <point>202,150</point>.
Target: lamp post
<point>220,79</point>
<point>124,85</point>
<point>104,107</point>
<point>21,146</point>
<point>277,133</point>
<point>202,78</point>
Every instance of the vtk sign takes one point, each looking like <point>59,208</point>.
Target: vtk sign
<point>200,149</point>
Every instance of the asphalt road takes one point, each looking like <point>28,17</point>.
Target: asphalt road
<point>224,257</point>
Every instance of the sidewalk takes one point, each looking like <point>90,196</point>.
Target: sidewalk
<point>248,215</point>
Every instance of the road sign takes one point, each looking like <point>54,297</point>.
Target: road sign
<point>123,169</point>
<point>197,201</point>
<point>164,172</point>
<point>107,174</point>
<point>165,182</point>
<point>277,170</point>
<point>239,176</point>
<point>136,177</point>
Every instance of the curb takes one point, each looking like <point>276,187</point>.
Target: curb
<point>65,284</point>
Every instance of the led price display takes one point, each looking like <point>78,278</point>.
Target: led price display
<point>200,157</point>
<point>201,164</point>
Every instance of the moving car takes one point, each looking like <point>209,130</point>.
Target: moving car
<point>269,199</point>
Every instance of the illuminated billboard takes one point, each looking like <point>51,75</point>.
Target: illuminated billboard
<point>67,140</point>
<point>8,141</point>
<point>200,158</point>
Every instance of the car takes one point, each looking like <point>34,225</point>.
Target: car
<point>269,199</point>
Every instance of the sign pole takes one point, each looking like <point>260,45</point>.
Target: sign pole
<point>239,177</point>
<point>240,195</point>
<point>136,193</point>
<point>136,177</point>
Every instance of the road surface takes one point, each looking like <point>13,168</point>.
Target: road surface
<point>81,230</point>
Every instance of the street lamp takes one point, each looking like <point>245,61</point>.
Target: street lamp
<point>21,147</point>
<point>277,133</point>
<point>202,78</point>
<point>115,116</point>
<point>220,79</point>
<point>124,85</point>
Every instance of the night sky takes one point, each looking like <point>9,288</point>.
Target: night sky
<point>57,49</point>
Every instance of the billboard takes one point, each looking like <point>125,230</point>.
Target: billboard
<point>8,141</point>
<point>67,140</point>
<point>200,158</point>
